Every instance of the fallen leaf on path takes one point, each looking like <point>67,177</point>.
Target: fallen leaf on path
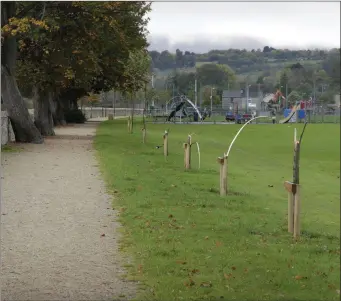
<point>102,235</point>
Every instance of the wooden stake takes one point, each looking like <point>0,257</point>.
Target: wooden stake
<point>223,174</point>
<point>187,152</point>
<point>165,144</point>
<point>129,124</point>
<point>144,134</point>
<point>291,189</point>
<point>291,200</point>
<point>186,163</point>
<point>297,213</point>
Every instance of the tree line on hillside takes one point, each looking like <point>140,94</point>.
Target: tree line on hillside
<point>296,81</point>
<point>240,60</point>
<point>59,51</point>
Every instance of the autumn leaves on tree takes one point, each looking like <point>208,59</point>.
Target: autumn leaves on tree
<point>57,52</point>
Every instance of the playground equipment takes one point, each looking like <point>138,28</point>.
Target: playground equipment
<point>298,111</point>
<point>292,113</point>
<point>273,101</point>
<point>293,189</point>
<point>178,103</point>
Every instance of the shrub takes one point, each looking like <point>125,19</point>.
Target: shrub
<point>75,116</point>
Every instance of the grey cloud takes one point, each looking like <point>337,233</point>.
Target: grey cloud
<point>202,44</point>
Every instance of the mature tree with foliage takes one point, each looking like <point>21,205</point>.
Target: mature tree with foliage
<point>14,21</point>
<point>217,75</point>
<point>81,47</point>
<point>136,75</point>
<point>293,97</point>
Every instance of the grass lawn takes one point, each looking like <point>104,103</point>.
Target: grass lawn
<point>188,243</point>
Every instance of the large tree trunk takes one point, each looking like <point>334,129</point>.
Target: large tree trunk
<point>22,123</point>
<point>43,112</point>
<point>74,104</point>
<point>59,116</point>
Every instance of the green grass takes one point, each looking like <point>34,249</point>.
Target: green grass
<point>7,148</point>
<point>188,243</point>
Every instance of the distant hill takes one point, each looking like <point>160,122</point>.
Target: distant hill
<point>243,62</point>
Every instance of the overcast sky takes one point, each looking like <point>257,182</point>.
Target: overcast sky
<point>201,26</point>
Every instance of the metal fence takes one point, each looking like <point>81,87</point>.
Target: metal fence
<point>103,112</point>
<point>318,114</point>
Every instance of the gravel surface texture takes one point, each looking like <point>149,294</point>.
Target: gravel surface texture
<point>59,232</point>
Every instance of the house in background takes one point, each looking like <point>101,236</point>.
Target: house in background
<point>236,100</point>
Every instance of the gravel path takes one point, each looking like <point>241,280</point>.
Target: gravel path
<point>54,213</point>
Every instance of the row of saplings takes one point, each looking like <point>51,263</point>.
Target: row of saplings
<point>292,187</point>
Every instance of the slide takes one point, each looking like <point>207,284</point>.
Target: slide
<point>293,112</point>
<point>178,108</point>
